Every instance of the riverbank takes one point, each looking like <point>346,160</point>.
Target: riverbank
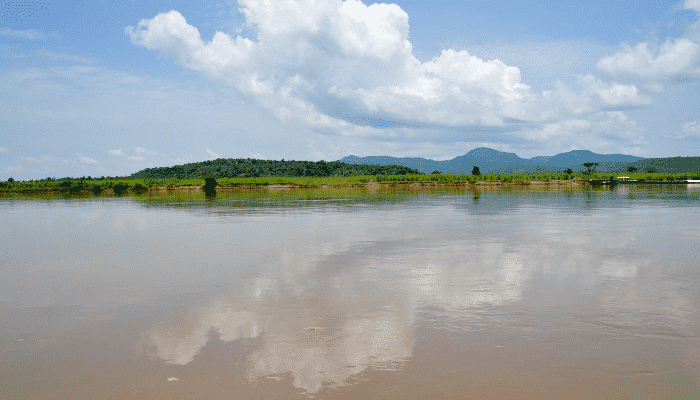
<point>265,188</point>
<point>276,184</point>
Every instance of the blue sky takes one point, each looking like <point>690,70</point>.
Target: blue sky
<point>109,88</point>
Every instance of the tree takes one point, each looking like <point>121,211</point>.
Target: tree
<point>631,169</point>
<point>209,186</point>
<point>436,173</point>
<point>475,171</point>
<point>590,166</point>
<point>651,170</point>
<point>569,171</point>
<point>10,179</point>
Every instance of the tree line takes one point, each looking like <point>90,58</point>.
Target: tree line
<point>252,168</point>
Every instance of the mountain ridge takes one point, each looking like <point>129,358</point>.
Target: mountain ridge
<point>492,161</point>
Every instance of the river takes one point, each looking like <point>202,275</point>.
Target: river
<point>497,294</point>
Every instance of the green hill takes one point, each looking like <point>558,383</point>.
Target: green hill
<point>250,168</point>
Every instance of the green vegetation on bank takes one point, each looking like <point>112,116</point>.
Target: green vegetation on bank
<point>121,186</point>
<point>254,168</point>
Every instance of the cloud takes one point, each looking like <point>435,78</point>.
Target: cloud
<point>87,160</point>
<point>599,132</point>
<point>137,150</point>
<point>692,5</point>
<point>30,34</point>
<point>646,60</point>
<point>312,57</point>
<point>613,94</point>
<point>595,94</point>
<point>141,150</point>
<point>674,57</point>
<point>563,103</point>
<point>57,56</point>
<point>43,159</point>
<point>213,154</point>
<point>689,129</point>
<point>3,150</point>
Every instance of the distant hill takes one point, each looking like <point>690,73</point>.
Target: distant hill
<point>576,157</point>
<point>421,164</point>
<point>492,161</point>
<point>248,168</point>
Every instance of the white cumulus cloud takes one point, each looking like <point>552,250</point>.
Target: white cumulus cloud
<point>646,60</point>
<point>311,56</point>
<point>675,56</point>
<point>118,152</point>
<point>613,94</point>
<point>598,132</point>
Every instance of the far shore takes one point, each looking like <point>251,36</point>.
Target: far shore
<point>311,186</point>
<point>288,188</point>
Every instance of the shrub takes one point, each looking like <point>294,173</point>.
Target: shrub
<point>76,187</point>
<point>120,188</point>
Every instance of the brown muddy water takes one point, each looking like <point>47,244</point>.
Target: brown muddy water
<point>483,295</point>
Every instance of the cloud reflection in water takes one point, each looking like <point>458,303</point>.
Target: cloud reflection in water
<point>321,346</point>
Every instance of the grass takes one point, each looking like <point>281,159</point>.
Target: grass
<point>139,185</point>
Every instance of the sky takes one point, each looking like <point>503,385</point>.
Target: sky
<point>104,88</point>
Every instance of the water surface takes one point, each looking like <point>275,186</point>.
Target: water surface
<point>498,294</point>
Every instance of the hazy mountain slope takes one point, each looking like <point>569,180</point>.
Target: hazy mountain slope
<point>492,161</point>
<point>576,157</point>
